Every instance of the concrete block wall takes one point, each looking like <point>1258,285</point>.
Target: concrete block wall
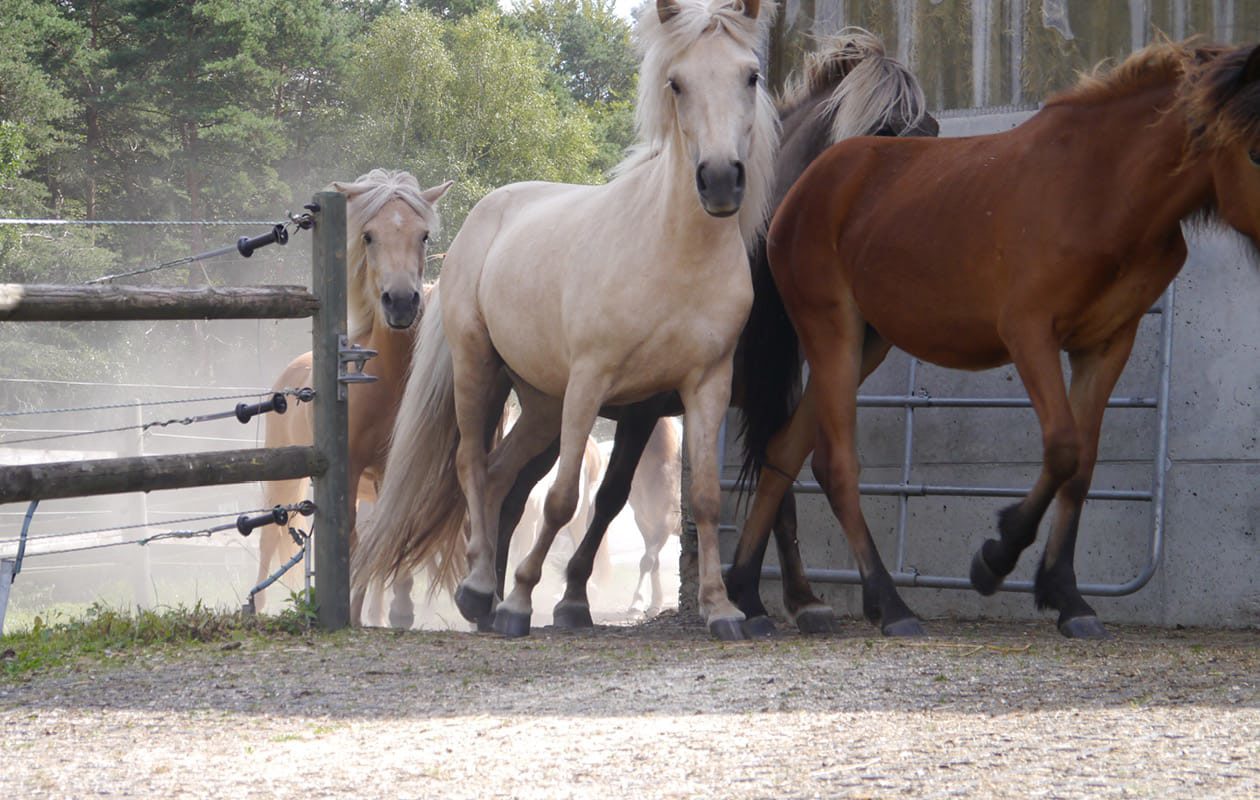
<point>1209,572</point>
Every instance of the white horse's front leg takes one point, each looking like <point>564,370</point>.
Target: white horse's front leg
<point>705,404</point>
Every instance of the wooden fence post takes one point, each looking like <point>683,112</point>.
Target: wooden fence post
<point>332,494</point>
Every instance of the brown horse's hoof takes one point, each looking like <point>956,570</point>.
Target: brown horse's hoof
<point>511,624</point>
<point>728,630</point>
<point>983,579</point>
<point>572,616</point>
<point>761,627</point>
<point>816,619</point>
<point>1083,628</point>
<point>907,627</point>
<point>472,604</point>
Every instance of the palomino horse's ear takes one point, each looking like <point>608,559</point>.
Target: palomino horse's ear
<point>666,10</point>
<point>752,8</point>
<point>1251,69</point>
<point>348,188</point>
<point>434,194</point>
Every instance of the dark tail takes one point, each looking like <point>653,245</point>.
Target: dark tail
<point>770,366</point>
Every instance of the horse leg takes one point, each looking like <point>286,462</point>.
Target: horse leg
<point>1094,375</point>
<point>1036,356</point>
<point>785,455</point>
<point>402,611</point>
<point>633,431</point>
<point>582,399</point>
<point>705,404</point>
<point>516,503</point>
<point>835,340</point>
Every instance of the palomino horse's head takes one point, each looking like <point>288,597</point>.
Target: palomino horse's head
<point>1223,103</point>
<point>390,219</point>
<point>702,80</point>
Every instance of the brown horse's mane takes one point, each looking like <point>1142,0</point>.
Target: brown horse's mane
<point>1220,110</point>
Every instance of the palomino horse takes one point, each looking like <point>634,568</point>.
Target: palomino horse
<point>971,253</point>
<point>591,296</point>
<point>849,88</point>
<point>389,219</point>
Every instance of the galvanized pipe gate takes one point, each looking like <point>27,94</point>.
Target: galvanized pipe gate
<point>903,491</point>
<point>326,462</point>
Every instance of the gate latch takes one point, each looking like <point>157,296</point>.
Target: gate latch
<point>348,354</point>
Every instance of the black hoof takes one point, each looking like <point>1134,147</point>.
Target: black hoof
<point>760,627</point>
<point>485,624</point>
<point>511,624</point>
<point>983,579</point>
<point>904,628</point>
<point>1083,628</point>
<point>816,620</point>
<point>728,630</point>
<point>572,616</point>
<point>473,604</point>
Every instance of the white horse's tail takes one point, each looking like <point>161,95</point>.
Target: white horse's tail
<point>419,518</point>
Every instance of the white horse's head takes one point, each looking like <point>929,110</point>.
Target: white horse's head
<point>701,88</point>
<point>389,220</point>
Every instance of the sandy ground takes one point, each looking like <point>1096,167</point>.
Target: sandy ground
<point>654,710</point>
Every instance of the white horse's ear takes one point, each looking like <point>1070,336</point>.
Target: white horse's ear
<point>752,8</point>
<point>347,188</point>
<point>431,196</point>
<point>666,10</point>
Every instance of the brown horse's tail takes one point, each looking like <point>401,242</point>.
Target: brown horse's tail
<point>419,518</point>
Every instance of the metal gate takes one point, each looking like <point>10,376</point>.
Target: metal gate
<point>905,489</point>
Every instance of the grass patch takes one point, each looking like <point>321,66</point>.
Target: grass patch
<point>103,632</point>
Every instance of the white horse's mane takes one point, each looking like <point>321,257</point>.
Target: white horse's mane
<point>659,46</point>
<point>368,195</point>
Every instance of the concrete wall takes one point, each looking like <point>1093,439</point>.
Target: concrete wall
<point>1208,575</point>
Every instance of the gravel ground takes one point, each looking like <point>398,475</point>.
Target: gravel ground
<point>654,710</point>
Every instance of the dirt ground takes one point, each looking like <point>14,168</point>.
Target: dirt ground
<point>655,710</point>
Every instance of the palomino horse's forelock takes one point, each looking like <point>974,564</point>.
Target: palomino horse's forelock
<point>367,195</point>
<point>660,44</point>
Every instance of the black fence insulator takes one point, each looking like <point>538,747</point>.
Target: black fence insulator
<point>247,411</point>
<point>305,394</point>
<point>246,246</point>
<point>276,516</point>
<point>306,508</point>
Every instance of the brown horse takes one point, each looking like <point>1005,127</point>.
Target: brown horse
<point>972,253</point>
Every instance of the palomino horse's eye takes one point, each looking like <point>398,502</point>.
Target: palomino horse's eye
<point>673,85</point>
<point>367,238</point>
<point>424,238</point>
<point>753,78</point>
<point>1254,155</point>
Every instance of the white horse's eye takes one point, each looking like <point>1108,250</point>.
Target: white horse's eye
<point>673,85</point>
<point>425,238</point>
<point>367,238</point>
<point>753,78</point>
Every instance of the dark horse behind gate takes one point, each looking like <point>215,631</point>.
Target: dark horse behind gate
<point>971,253</point>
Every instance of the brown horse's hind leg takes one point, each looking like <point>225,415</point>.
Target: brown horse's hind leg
<point>1094,375</point>
<point>1036,356</point>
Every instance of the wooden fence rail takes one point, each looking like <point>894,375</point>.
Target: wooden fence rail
<point>326,462</point>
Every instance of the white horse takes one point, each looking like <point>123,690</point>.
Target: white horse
<point>588,296</point>
<point>389,220</point>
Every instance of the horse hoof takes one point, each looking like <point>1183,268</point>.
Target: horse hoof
<point>402,621</point>
<point>760,627</point>
<point>485,624</point>
<point>511,624</point>
<point>983,579</point>
<point>728,630</point>
<point>572,616</point>
<point>473,604</point>
<point>904,628</point>
<point>1083,628</point>
<point>816,620</point>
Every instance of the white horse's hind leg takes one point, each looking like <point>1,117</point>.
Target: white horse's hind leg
<point>705,404</point>
<point>582,399</point>
<point>402,611</point>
